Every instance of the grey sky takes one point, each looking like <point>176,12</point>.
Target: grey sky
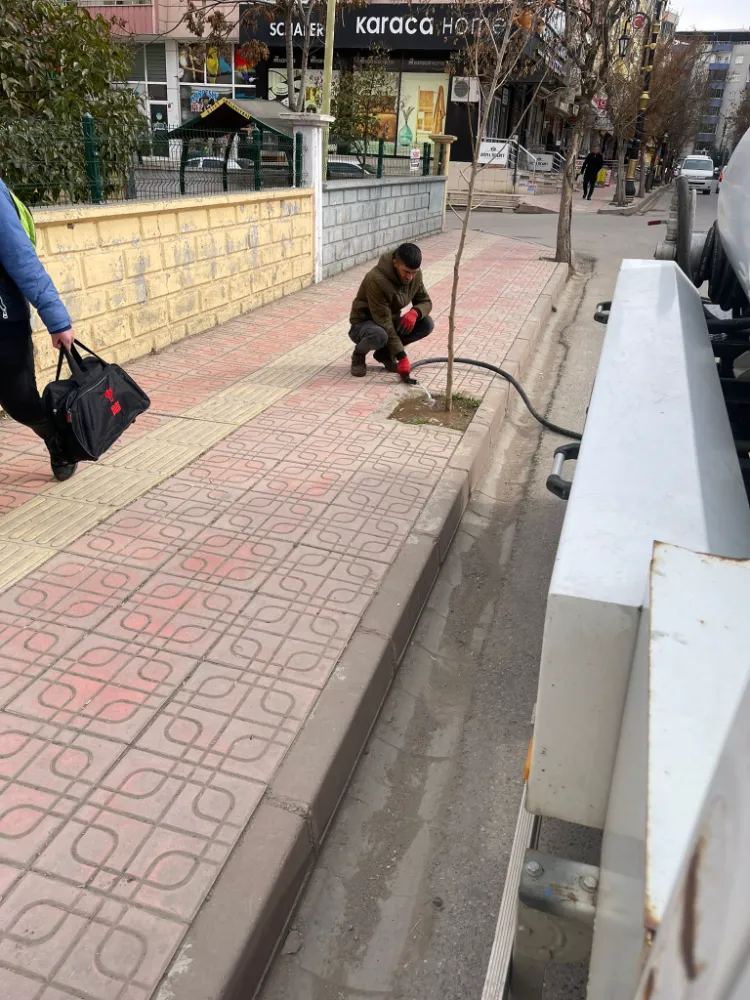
<point>708,14</point>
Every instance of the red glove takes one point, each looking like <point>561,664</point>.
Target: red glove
<point>409,321</point>
<point>404,365</point>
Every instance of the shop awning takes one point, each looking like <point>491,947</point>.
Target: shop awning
<point>228,116</point>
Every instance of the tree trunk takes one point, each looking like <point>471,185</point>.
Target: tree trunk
<point>454,287</point>
<point>564,253</point>
<point>289,44</point>
<point>620,197</point>
<point>642,162</point>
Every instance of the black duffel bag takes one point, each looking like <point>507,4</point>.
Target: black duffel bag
<point>91,409</point>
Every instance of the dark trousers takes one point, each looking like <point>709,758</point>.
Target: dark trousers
<point>589,183</point>
<point>19,396</point>
<point>368,336</point>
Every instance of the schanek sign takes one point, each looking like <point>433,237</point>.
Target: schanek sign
<point>393,26</point>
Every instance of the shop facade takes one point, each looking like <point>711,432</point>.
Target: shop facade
<point>177,78</point>
<point>419,43</point>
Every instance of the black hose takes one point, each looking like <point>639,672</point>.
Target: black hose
<point>562,431</point>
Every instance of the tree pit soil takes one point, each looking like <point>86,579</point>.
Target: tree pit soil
<point>418,409</point>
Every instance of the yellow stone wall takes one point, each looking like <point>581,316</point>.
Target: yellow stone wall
<point>136,277</point>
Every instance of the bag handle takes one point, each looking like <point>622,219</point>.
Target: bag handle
<point>74,360</point>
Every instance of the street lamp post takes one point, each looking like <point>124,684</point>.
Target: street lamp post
<point>647,66</point>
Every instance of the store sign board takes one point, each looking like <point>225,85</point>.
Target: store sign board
<point>391,26</point>
<point>494,153</point>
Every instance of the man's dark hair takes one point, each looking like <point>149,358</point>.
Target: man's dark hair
<point>410,255</point>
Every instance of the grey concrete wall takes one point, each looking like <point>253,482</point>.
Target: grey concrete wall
<point>361,219</point>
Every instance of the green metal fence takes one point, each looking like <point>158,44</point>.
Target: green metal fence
<point>352,159</point>
<point>88,166</point>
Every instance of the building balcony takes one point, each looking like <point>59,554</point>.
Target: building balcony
<point>706,136</point>
<point>719,67</point>
<point>716,102</point>
<point>710,120</point>
<point>137,15</point>
<point>722,47</point>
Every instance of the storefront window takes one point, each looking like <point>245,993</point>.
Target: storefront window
<point>422,108</point>
<point>192,65</point>
<point>203,81</point>
<point>278,88</point>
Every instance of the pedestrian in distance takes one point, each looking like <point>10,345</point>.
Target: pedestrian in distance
<point>590,170</point>
<point>390,311</point>
<point>23,280</point>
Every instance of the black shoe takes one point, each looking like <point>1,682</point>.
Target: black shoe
<point>62,467</point>
<point>383,357</point>
<point>359,365</point>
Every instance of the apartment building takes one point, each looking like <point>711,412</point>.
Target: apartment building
<point>727,57</point>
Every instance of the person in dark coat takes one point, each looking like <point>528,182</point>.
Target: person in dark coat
<point>23,280</point>
<point>590,170</point>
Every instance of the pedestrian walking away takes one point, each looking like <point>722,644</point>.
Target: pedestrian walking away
<point>590,170</point>
<point>390,311</point>
<point>23,280</point>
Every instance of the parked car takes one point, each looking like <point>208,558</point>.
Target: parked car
<point>345,170</point>
<point>213,163</point>
<point>699,171</point>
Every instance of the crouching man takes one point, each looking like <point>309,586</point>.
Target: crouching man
<point>391,311</point>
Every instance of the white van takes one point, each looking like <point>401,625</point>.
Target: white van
<point>699,171</point>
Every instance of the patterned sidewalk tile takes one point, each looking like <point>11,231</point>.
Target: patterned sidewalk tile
<point>169,617</point>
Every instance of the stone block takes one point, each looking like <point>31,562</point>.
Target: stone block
<point>122,229</point>
<point>66,274</point>
<point>192,220</point>
<point>103,268</point>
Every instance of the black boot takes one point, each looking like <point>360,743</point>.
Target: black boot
<point>62,467</point>
<point>359,365</point>
<point>383,356</point>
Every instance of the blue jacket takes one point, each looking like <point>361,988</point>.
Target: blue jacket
<point>22,275</point>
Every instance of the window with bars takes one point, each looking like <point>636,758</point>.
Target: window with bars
<point>149,70</point>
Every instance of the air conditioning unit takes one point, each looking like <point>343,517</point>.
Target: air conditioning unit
<point>465,88</point>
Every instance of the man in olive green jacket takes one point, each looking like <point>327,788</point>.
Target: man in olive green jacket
<point>391,311</point>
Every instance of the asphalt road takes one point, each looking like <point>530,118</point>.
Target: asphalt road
<point>404,900</point>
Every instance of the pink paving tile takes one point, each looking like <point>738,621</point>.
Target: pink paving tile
<point>343,583</point>
<point>182,632</point>
<point>55,930</point>
<point>112,710</point>
<point>218,558</point>
<point>226,744</point>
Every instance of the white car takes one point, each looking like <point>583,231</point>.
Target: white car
<point>699,171</point>
<point>213,163</point>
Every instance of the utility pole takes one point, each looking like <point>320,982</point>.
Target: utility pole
<point>328,75</point>
<point>647,66</point>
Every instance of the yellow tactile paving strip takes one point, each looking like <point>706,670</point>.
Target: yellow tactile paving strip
<point>36,531</point>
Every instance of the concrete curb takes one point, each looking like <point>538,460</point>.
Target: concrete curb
<point>637,208</point>
<point>233,938</point>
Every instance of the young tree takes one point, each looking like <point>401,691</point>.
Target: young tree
<point>623,93</point>
<point>359,96</point>
<point>491,52</point>
<point>679,96</point>
<point>56,64</point>
<point>591,44</point>
<point>738,122</point>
